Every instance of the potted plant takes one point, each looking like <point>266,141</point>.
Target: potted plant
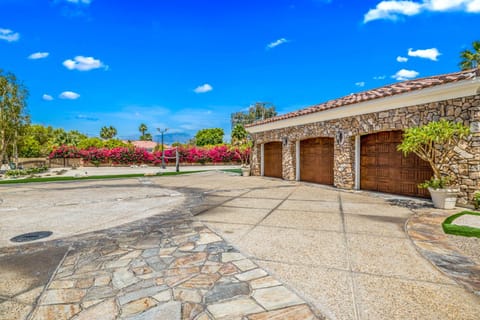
<point>476,200</point>
<point>435,143</point>
<point>242,146</point>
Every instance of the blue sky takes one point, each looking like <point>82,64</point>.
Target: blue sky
<point>187,65</point>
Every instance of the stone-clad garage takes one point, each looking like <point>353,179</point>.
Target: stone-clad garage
<point>350,142</point>
<point>384,169</point>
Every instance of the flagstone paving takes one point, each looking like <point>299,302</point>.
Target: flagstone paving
<point>164,267</point>
<point>256,249</point>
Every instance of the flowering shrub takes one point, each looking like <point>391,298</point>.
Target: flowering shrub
<point>131,155</point>
<point>65,152</point>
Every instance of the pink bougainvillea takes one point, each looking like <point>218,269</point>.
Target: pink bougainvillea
<point>125,155</point>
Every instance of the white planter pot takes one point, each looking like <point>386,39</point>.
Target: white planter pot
<point>444,198</point>
<point>246,172</point>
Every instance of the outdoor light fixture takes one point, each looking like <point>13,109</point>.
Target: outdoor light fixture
<point>163,151</point>
<point>285,141</point>
<point>339,137</point>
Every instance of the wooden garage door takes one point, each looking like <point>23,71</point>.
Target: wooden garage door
<point>316,160</point>
<point>384,169</point>
<point>272,153</point>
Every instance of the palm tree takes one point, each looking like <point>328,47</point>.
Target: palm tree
<point>142,128</point>
<point>108,132</point>
<point>470,59</point>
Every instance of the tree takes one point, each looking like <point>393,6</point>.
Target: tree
<point>143,128</point>
<point>70,138</point>
<point>206,137</point>
<point>145,135</point>
<point>470,59</point>
<point>36,141</point>
<point>239,133</point>
<point>241,143</point>
<point>435,143</point>
<point>258,111</point>
<point>13,115</point>
<point>108,132</point>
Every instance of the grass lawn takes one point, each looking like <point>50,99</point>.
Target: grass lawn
<point>239,171</point>
<point>118,176</point>
<point>458,230</point>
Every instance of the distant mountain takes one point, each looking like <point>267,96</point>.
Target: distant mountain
<point>169,138</point>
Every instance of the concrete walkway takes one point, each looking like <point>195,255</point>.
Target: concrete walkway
<point>256,249</point>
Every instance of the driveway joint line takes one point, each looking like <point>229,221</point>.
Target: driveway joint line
<point>349,259</point>
<point>268,214</point>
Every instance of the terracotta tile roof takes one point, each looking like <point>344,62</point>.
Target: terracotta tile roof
<point>382,92</point>
<point>144,144</point>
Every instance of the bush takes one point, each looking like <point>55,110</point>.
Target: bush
<point>25,172</point>
<point>132,155</point>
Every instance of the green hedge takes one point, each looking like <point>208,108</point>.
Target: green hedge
<point>458,230</point>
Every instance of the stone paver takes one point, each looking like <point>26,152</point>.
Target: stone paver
<point>168,266</point>
<point>424,228</point>
<point>304,252</point>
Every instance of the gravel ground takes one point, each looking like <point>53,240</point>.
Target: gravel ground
<point>470,246</point>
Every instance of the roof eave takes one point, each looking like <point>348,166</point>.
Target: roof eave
<point>441,92</point>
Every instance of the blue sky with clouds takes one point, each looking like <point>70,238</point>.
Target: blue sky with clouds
<point>189,64</point>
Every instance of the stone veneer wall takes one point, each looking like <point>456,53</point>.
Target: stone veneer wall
<point>465,166</point>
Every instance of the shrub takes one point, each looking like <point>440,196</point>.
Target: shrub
<point>132,155</point>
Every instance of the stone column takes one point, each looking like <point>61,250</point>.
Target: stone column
<point>255,160</point>
<point>288,160</point>
<point>344,159</point>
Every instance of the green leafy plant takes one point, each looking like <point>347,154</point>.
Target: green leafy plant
<point>476,200</point>
<point>25,172</point>
<point>435,183</point>
<point>434,143</point>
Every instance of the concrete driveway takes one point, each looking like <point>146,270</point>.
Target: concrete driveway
<point>256,248</point>
<point>347,253</point>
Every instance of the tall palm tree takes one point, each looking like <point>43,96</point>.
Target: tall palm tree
<point>470,59</point>
<point>142,128</point>
<point>108,132</point>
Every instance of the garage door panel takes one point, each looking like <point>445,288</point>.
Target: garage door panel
<point>388,170</point>
<point>408,188</point>
<point>408,175</point>
<point>408,161</point>
<point>316,160</point>
<point>272,153</point>
<point>368,161</point>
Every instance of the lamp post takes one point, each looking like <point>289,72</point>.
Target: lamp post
<point>163,151</point>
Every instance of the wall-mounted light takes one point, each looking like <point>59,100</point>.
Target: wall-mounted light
<point>285,141</point>
<point>339,137</point>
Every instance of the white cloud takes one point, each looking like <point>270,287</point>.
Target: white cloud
<point>80,1</point>
<point>453,5</point>
<point>69,95</point>
<point>379,77</point>
<point>402,59</point>
<point>391,10</point>
<point>9,35</point>
<point>38,55</point>
<point>474,6</point>
<point>276,43</point>
<point>82,63</point>
<point>203,88</point>
<point>47,97</point>
<point>405,74</point>
<point>360,84</point>
<point>431,54</point>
